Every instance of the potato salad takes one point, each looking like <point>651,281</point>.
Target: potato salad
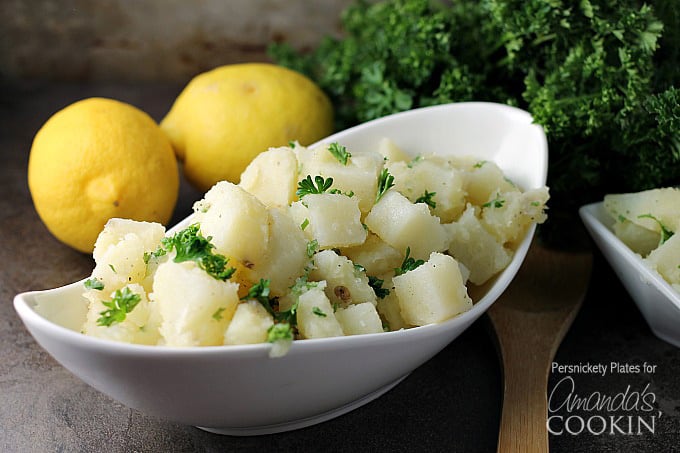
<point>646,222</point>
<point>313,242</point>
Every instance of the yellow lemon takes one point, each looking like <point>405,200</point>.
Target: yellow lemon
<point>97,159</point>
<point>225,117</point>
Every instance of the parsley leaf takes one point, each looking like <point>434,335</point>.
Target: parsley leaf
<point>122,303</point>
<point>319,312</point>
<point>280,331</point>
<point>385,181</point>
<point>190,245</point>
<point>339,152</point>
<point>497,202</point>
<point>93,283</point>
<point>377,283</point>
<point>307,186</point>
<point>427,199</point>
<point>408,264</point>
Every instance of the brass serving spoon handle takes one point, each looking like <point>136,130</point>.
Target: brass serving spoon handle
<point>530,320</point>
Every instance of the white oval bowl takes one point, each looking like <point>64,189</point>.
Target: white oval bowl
<point>656,299</point>
<point>240,390</point>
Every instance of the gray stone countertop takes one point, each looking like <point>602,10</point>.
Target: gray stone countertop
<point>452,403</point>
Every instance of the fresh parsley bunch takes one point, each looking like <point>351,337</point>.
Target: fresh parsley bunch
<point>600,76</point>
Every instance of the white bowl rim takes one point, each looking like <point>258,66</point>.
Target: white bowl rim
<point>590,214</point>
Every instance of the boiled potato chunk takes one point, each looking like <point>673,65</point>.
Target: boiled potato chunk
<point>315,315</point>
<point>432,292</point>
<point>638,238</point>
<point>285,257</point>
<point>661,204</point>
<point>480,251</point>
<point>140,326</point>
<point>391,152</point>
<point>666,259</point>
<point>119,252</point>
<point>237,222</point>
<point>508,215</point>
<point>345,284</point>
<point>195,308</point>
<point>485,179</point>
<point>333,220</point>
<point>375,255</point>
<point>359,319</point>
<point>249,325</point>
<point>272,177</point>
<point>359,175</point>
<point>389,309</point>
<point>403,224</point>
<point>414,179</point>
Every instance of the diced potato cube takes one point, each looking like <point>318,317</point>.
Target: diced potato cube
<point>486,179</point>
<point>359,176</point>
<point>432,292</point>
<point>286,255</point>
<point>315,315</point>
<point>140,325</point>
<point>391,152</point>
<point>375,255</point>
<point>403,224</point>
<point>249,325</point>
<point>237,222</point>
<point>389,309</point>
<point>345,283</point>
<point>479,250</point>
<point>434,176</point>
<point>666,259</point>
<point>272,177</point>
<point>508,215</point>
<point>646,206</point>
<point>359,319</point>
<point>119,252</point>
<point>638,238</point>
<point>195,308</point>
<point>333,220</point>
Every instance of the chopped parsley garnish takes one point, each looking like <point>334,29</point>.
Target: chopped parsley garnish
<point>385,181</point>
<point>190,245</point>
<point>479,164</point>
<point>292,144</point>
<point>304,224</point>
<point>666,234</point>
<point>339,152</point>
<point>218,314</point>
<point>160,251</point>
<point>307,186</point>
<point>415,161</point>
<point>318,312</point>
<point>376,283</point>
<point>427,199</point>
<point>312,247</point>
<point>122,303</point>
<point>113,268</point>
<point>260,292</point>
<point>93,283</point>
<point>497,202</point>
<point>535,203</point>
<point>280,331</point>
<point>408,264</point>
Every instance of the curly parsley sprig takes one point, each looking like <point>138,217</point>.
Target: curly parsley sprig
<point>122,303</point>
<point>385,182</point>
<point>190,245</point>
<point>408,264</point>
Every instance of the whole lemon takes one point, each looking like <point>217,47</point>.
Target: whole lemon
<point>97,159</point>
<point>225,117</point>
